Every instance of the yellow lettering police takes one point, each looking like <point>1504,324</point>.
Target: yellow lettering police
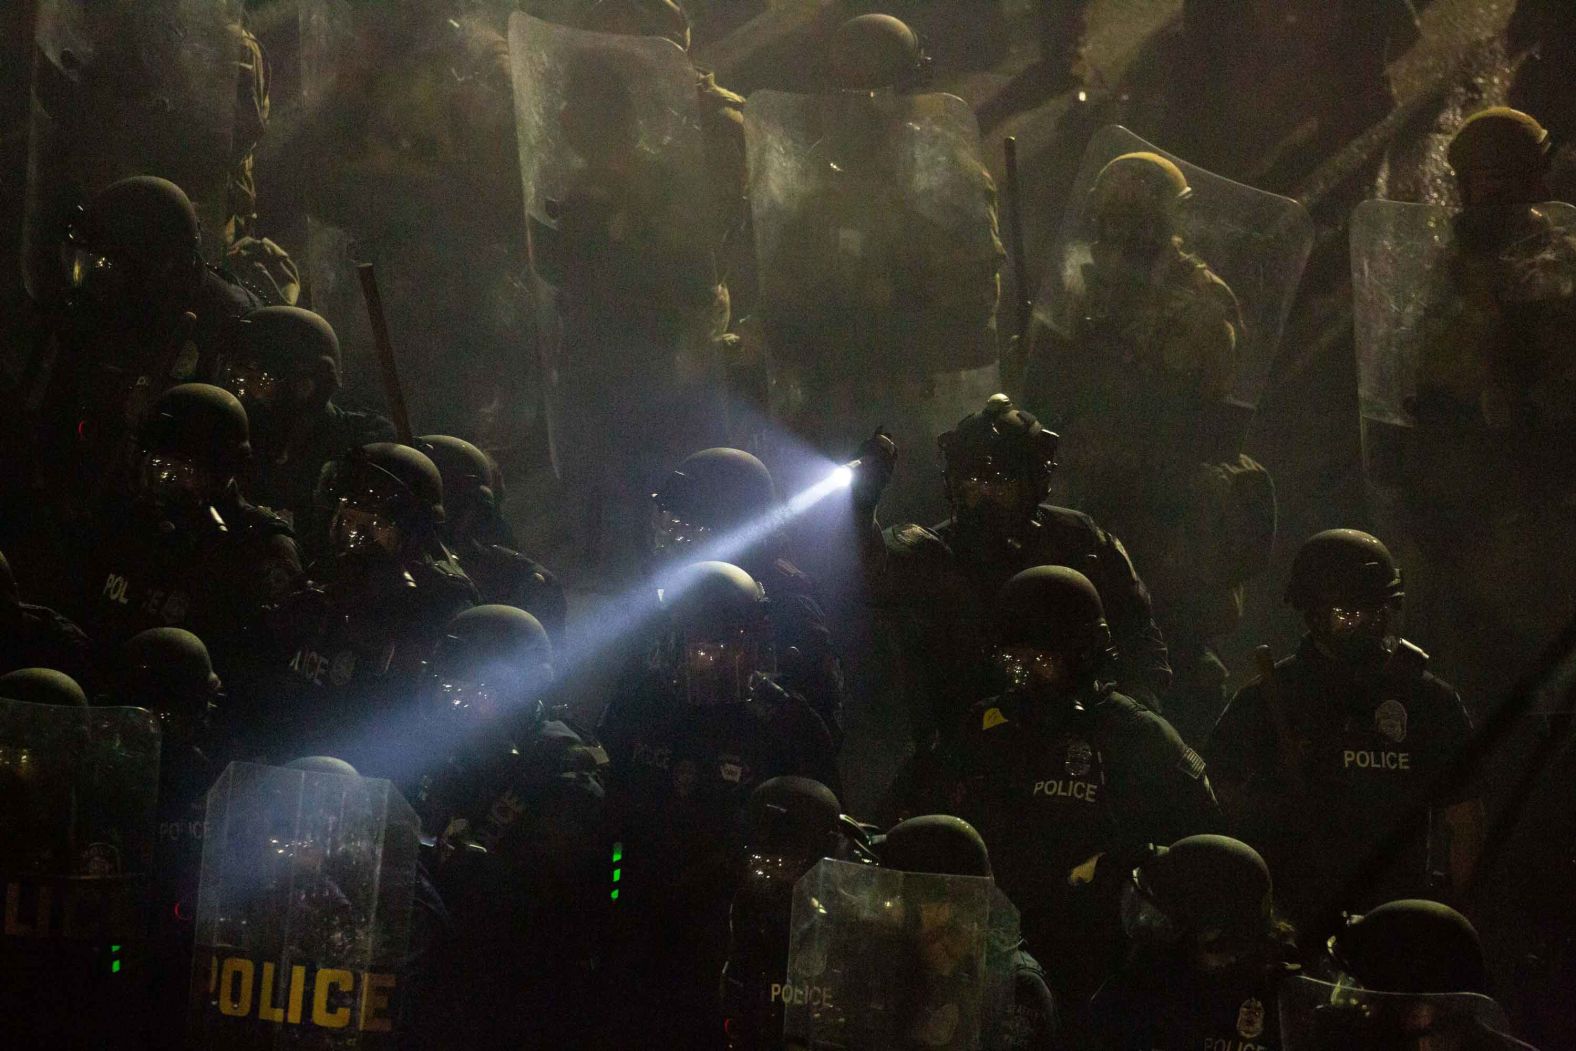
<point>283,1000</point>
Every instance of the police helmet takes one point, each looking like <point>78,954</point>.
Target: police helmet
<point>201,423</point>
<point>1051,608</point>
<point>290,343</point>
<point>1003,436</point>
<point>42,686</point>
<point>168,671</point>
<point>1209,882</point>
<point>721,636</point>
<point>323,764</point>
<point>1140,181</point>
<point>876,51</point>
<point>714,598</point>
<point>1342,567</point>
<point>494,636</point>
<point>387,477</point>
<point>467,471</point>
<point>1499,139</point>
<point>936,843</point>
<point>718,489</point>
<point>143,219</point>
<point>1412,946</point>
<point>792,816</point>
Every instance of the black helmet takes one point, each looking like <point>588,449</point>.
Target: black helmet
<point>936,843</point>
<point>385,476</point>
<point>716,490</point>
<point>285,343</point>
<point>1501,139</point>
<point>168,671</point>
<point>1342,567</point>
<point>720,632</point>
<point>490,667</point>
<point>323,764</point>
<point>145,220</point>
<point>200,423</point>
<point>792,816</point>
<point>876,51</point>
<point>1412,946</point>
<point>1052,608</point>
<point>1003,441</point>
<point>467,471</point>
<point>42,686</point>
<point>1209,882</point>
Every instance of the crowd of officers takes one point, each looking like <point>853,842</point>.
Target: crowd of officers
<point>276,576</point>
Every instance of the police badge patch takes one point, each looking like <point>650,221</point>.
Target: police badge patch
<point>1390,720</point>
<point>343,669</point>
<point>1250,1019</point>
<point>1079,757</point>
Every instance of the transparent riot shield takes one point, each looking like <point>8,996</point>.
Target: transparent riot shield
<point>79,789</point>
<point>303,911</point>
<point>1319,1016</point>
<point>623,241</point>
<point>408,130</point>
<point>121,88</point>
<point>1164,311</point>
<point>1442,325</point>
<point>880,958</point>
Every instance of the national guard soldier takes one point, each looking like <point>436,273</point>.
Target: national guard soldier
<point>1070,779</point>
<point>144,312</point>
<point>189,551</point>
<point>1343,751</point>
<point>937,585</point>
<point>474,526</point>
<point>690,736</point>
<point>351,645</point>
<point>1206,953</point>
<point>284,367</point>
<point>1409,974</point>
<point>1149,365</point>
<point>727,497</point>
<point>517,803</point>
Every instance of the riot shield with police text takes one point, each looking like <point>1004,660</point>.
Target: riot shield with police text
<point>880,958</point>
<point>303,911</point>
<point>122,88</point>
<point>1319,1016</point>
<point>1224,255</point>
<point>623,239</point>
<point>408,132</point>
<point>79,788</point>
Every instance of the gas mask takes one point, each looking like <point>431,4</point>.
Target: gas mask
<point>989,494</point>
<point>174,483</point>
<point>1361,635</point>
<point>362,505</point>
<point>715,668</point>
<point>1038,672</point>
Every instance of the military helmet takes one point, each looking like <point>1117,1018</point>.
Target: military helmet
<point>289,341</point>
<point>876,51</point>
<point>714,597</point>
<point>385,475</point>
<point>718,489</point>
<point>1003,433</point>
<point>199,422</point>
<point>167,659</point>
<point>1342,567</point>
<point>936,843</point>
<point>494,635</point>
<point>467,471</point>
<point>1412,946</point>
<point>1205,882</point>
<point>1051,608</point>
<point>1141,181</point>
<point>659,18</point>
<point>144,218</point>
<point>42,686</point>
<point>1501,139</point>
<point>793,816</point>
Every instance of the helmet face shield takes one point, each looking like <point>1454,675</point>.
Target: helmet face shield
<point>253,383</point>
<point>1364,633</point>
<point>1029,669</point>
<point>361,501</point>
<point>673,537</point>
<point>172,480</point>
<point>356,531</point>
<point>716,668</point>
<point>989,490</point>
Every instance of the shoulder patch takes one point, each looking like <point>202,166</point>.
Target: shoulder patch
<point>1191,763</point>
<point>993,718</point>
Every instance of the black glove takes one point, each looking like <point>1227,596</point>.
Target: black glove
<point>876,461</point>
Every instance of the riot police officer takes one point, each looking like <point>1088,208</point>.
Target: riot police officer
<point>1343,750</point>
<point>189,551</point>
<point>1206,952</point>
<point>42,686</point>
<point>351,645</point>
<point>1070,779</point>
<point>690,737</point>
<point>727,496</point>
<point>941,582</point>
<point>516,800</point>
<point>144,313</point>
<point>475,528</point>
<point>284,367</point>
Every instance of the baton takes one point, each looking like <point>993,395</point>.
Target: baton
<point>380,339</point>
<point>1019,268</point>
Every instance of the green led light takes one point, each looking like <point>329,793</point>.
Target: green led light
<point>616,874</point>
<point>114,968</point>
<point>618,852</point>
<point>615,894</point>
